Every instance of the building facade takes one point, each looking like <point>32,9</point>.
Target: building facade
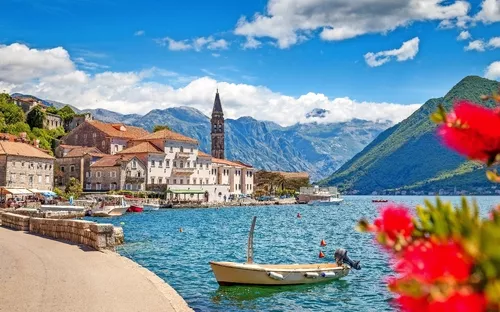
<point>74,162</point>
<point>25,166</point>
<point>52,121</point>
<point>117,172</point>
<point>109,138</point>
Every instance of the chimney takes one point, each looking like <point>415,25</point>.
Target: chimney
<point>36,143</point>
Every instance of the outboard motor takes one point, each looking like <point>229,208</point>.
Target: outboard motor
<point>341,258</point>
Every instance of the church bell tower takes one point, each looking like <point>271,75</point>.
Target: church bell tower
<point>217,131</point>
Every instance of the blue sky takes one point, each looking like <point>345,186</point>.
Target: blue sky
<point>134,36</point>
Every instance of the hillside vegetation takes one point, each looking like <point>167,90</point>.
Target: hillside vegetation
<point>410,156</point>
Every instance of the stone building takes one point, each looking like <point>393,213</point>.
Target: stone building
<point>74,162</point>
<point>27,103</point>
<point>77,120</point>
<point>117,172</point>
<point>25,166</point>
<point>109,138</point>
<point>52,121</point>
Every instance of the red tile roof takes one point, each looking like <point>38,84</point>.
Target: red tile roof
<point>226,162</point>
<point>22,149</point>
<point>166,134</point>
<point>8,137</point>
<point>205,155</point>
<point>79,151</point>
<point>113,130</point>
<point>144,147</point>
<point>112,160</point>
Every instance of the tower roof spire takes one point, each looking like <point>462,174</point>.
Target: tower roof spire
<point>217,105</point>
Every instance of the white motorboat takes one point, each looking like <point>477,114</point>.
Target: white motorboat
<point>331,200</point>
<point>111,206</point>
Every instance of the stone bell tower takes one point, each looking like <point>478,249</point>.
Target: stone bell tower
<point>217,131</point>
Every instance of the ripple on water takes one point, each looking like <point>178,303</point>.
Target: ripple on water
<point>153,240</point>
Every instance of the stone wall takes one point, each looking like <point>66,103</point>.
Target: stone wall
<point>98,236</point>
<point>15,221</point>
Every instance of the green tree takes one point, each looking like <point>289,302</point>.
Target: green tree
<point>52,110</point>
<point>160,127</point>
<point>17,128</point>
<point>35,117</point>
<point>73,188</point>
<point>10,111</point>
<point>66,113</point>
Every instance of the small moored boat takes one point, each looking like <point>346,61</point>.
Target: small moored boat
<point>111,206</point>
<point>380,200</point>
<point>135,208</point>
<point>250,273</point>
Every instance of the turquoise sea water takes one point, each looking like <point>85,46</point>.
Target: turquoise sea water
<point>153,240</point>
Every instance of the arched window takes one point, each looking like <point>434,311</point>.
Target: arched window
<point>182,149</point>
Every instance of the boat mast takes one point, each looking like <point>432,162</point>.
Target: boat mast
<point>250,242</point>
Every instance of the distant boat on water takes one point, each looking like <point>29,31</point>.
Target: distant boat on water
<point>380,200</point>
<point>319,196</point>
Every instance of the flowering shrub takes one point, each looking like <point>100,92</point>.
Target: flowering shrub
<point>448,258</point>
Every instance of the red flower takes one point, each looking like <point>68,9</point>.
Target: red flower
<point>429,262</point>
<point>457,302</point>
<point>394,220</point>
<point>472,130</point>
<point>472,302</point>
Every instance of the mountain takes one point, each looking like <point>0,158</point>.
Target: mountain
<point>409,155</point>
<point>317,148</point>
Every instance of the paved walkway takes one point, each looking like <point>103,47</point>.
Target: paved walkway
<point>41,274</point>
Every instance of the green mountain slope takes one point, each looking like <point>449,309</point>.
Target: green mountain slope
<point>409,154</point>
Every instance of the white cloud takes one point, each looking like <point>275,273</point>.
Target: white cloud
<point>89,65</point>
<point>407,51</point>
<point>494,43</point>
<point>196,44</point>
<point>290,21</point>
<point>174,45</point>
<point>490,11</point>
<point>140,33</point>
<point>251,43</point>
<point>476,45</point>
<point>20,63</point>
<point>481,46</point>
<point>135,92</point>
<point>464,35</point>
<point>493,71</point>
<point>215,54</point>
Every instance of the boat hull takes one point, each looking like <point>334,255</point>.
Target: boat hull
<point>135,208</point>
<point>335,201</point>
<point>230,273</point>
<point>113,212</point>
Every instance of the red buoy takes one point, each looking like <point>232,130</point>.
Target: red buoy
<point>321,254</point>
<point>323,243</point>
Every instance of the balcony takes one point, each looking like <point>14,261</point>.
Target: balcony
<point>183,171</point>
<point>182,155</point>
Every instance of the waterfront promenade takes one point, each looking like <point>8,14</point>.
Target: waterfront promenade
<point>42,274</point>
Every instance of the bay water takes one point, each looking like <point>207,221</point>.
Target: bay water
<point>155,240</point>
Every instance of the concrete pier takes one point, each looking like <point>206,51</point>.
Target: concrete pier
<point>46,275</point>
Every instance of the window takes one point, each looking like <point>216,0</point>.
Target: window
<point>39,179</point>
<point>181,181</point>
<point>187,181</point>
<point>207,166</point>
<point>138,174</point>
<point>206,181</point>
<point>175,164</point>
<point>182,149</point>
<point>88,186</point>
<point>160,180</point>
<point>47,179</point>
<point>13,164</point>
<point>201,182</point>
<point>160,164</point>
<point>98,186</point>
<point>175,181</point>
<point>194,181</point>
<point>187,164</point>
<point>153,163</point>
<point>171,149</point>
<point>128,186</point>
<point>71,168</point>
<point>201,165</point>
<point>22,164</point>
<point>103,143</point>
<point>98,174</point>
<point>152,180</point>
<point>167,163</point>
<point>134,164</point>
<point>181,164</point>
